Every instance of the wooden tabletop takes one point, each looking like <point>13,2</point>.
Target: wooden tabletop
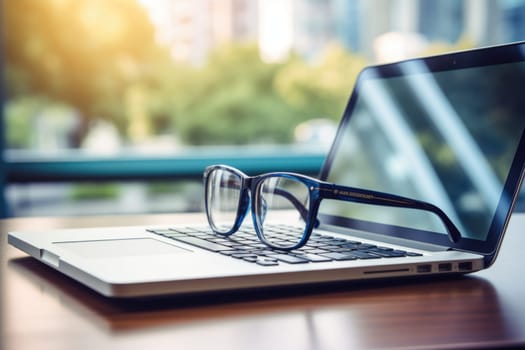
<point>41,309</point>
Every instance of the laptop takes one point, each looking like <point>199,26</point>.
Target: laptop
<point>447,130</point>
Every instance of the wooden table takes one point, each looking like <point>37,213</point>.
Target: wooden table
<point>41,309</point>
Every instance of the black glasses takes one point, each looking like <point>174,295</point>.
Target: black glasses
<point>229,193</point>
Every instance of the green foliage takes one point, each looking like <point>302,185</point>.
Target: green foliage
<point>235,102</point>
<point>20,115</point>
<point>320,90</point>
<point>89,191</point>
<point>81,53</point>
<point>100,58</point>
<point>238,99</point>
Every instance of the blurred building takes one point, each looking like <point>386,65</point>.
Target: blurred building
<point>192,28</point>
<point>280,27</point>
<point>357,24</point>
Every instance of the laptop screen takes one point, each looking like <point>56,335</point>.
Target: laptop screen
<point>445,130</point>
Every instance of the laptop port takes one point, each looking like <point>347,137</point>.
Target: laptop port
<point>445,267</point>
<point>424,268</point>
<point>465,266</point>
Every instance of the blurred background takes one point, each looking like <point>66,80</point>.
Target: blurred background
<point>106,80</point>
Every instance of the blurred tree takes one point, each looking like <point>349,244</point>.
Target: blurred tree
<point>240,99</point>
<point>235,101</point>
<point>100,58</point>
<point>320,90</point>
<point>15,117</point>
<point>82,53</point>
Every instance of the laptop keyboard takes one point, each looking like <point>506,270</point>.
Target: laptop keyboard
<point>245,245</point>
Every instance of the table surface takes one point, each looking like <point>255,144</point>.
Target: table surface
<point>41,309</point>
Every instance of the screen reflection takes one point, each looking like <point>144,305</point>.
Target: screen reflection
<point>448,138</point>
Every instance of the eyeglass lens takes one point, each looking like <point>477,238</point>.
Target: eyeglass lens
<point>278,201</point>
<point>223,196</point>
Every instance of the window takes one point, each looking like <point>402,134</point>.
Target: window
<point>156,78</point>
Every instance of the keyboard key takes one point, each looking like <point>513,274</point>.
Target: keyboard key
<point>387,254</point>
<point>244,255</point>
<point>186,230</point>
<point>364,246</point>
<point>252,258</point>
<point>231,252</point>
<point>165,232</point>
<point>339,256</point>
<point>317,251</point>
<point>202,243</point>
<point>314,257</point>
<point>363,255</point>
<point>383,249</point>
<point>413,254</point>
<point>266,261</point>
<point>290,259</point>
<point>351,246</point>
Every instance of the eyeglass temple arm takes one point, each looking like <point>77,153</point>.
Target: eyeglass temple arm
<point>351,194</point>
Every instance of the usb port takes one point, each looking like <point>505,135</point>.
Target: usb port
<point>445,267</point>
<point>465,266</point>
<point>424,268</point>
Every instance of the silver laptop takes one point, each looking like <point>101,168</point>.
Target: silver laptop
<point>445,130</point>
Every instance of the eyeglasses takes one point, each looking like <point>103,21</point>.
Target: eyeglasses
<point>229,193</point>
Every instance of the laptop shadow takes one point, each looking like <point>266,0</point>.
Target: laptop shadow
<point>122,315</point>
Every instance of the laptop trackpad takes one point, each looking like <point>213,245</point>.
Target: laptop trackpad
<point>120,247</point>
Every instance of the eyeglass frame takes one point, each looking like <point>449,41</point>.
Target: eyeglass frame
<point>317,191</point>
